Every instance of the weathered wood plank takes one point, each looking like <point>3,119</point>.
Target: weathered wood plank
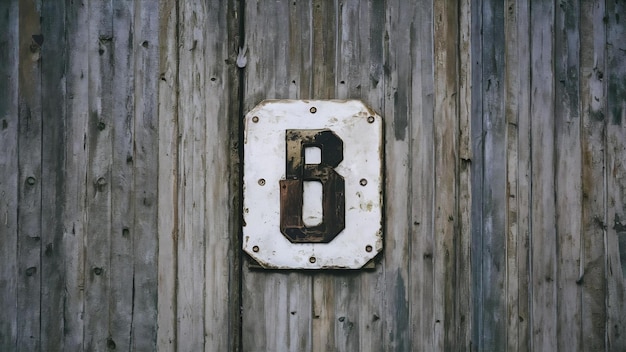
<point>123,236</point>
<point>615,164</point>
<point>463,291</point>
<point>145,184</point>
<point>593,213</point>
<point>222,306</point>
<point>168,177</point>
<point>523,192</point>
<point>543,227</point>
<point>191,274</point>
<point>357,73</point>
<point>517,103</point>
<point>495,175</point>
<point>9,181</point>
<point>29,178</point>
<point>99,141</point>
<point>477,138</point>
<point>76,184</point>
<point>510,98</point>
<point>568,166</point>
<point>281,64</point>
<point>446,168</point>
<point>53,69</point>
<point>402,102</point>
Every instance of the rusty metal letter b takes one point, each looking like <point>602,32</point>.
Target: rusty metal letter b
<point>333,186</point>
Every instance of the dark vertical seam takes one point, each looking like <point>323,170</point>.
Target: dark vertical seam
<point>241,11</point>
<point>176,174</point>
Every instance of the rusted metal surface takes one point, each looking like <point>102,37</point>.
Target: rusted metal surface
<point>278,231</point>
<point>292,224</point>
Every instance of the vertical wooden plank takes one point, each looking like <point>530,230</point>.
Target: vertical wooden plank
<point>592,272</point>
<point>568,177</point>
<point>281,64</point>
<point>523,192</point>
<point>358,74</point>
<point>192,168</point>
<point>97,239</point>
<point>145,162</point>
<point>477,176</point>
<point>29,178</point>
<point>123,163</point>
<point>168,176</point>
<point>516,96</point>
<point>511,83</point>
<point>403,21</point>
<point>543,228</point>
<point>463,292</point>
<point>616,175</point>
<point>53,60</point>
<point>494,198</point>
<point>446,155</point>
<point>76,181</point>
<point>222,307</point>
<point>9,174</point>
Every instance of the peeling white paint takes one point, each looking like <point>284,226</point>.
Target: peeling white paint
<point>264,167</point>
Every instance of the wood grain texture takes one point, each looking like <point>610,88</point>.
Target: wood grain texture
<point>120,175</point>
<point>282,65</point>
<point>143,325</point>
<point>543,235</point>
<point>191,202</point>
<point>9,119</point>
<point>494,187</point>
<point>29,178</point>
<point>383,54</point>
<point>168,180</point>
<point>99,140</point>
<point>593,104</point>
<point>616,176</point>
<point>75,168</point>
<point>567,174</point>
<point>53,69</point>
<point>123,212</point>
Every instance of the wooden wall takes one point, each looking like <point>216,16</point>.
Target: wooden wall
<point>120,159</point>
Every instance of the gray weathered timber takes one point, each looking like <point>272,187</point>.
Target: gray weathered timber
<point>53,92</point>
<point>167,176</point>
<point>192,122</point>
<point>120,209</point>
<point>567,183</point>
<point>593,105</point>
<point>29,178</point>
<point>75,169</point>
<point>543,232</point>
<point>282,65</point>
<point>123,234</point>
<point>517,104</point>
<point>9,120</point>
<point>99,144</point>
<point>494,187</point>
<point>367,310</point>
<point>142,329</point>
<point>615,164</point>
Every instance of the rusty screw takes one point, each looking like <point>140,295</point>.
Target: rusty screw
<point>312,260</point>
<point>363,182</point>
<point>370,119</point>
<point>262,182</point>
<point>368,248</point>
<point>255,119</point>
<point>255,249</point>
<point>313,110</point>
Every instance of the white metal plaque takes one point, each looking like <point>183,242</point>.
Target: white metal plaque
<point>313,178</point>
